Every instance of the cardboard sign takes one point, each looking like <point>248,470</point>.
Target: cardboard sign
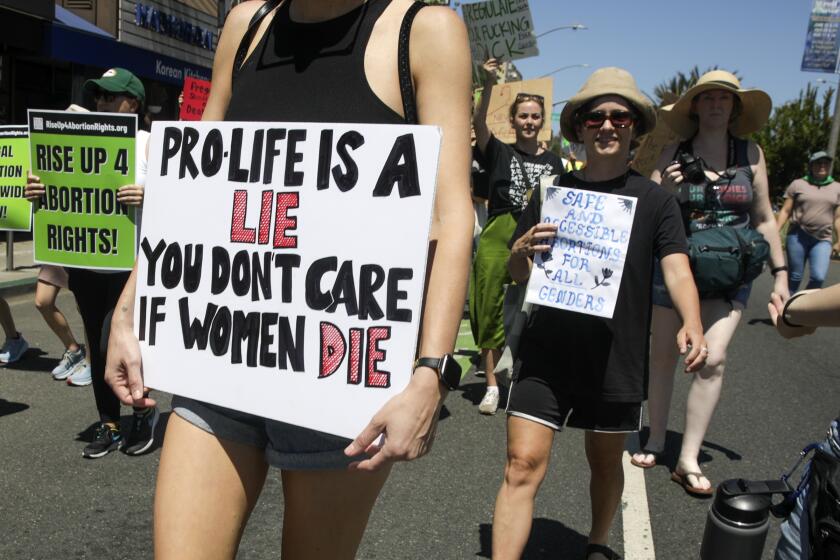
<point>82,159</point>
<point>647,154</point>
<point>15,211</point>
<point>583,270</point>
<point>195,94</point>
<point>281,266</point>
<point>500,29</point>
<point>501,98</point>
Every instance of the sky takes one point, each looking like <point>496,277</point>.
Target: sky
<point>763,40</point>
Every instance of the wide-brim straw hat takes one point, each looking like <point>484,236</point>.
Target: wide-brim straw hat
<point>755,105</point>
<point>608,81</point>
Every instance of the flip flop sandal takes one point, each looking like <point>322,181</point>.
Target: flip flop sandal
<point>682,480</point>
<point>656,456</point>
<point>600,552</point>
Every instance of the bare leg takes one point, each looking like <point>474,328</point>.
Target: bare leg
<point>603,452</point>
<point>45,296</point>
<point>664,356</point>
<point>529,449</point>
<point>721,320</point>
<point>206,489</point>
<point>6,320</point>
<point>326,512</point>
<point>490,358</point>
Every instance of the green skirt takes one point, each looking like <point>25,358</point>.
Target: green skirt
<point>487,282</point>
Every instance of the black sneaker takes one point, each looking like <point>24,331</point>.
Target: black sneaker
<point>105,439</point>
<point>142,434</point>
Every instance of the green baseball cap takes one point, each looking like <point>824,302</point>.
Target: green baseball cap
<point>118,80</point>
<point>817,156</point>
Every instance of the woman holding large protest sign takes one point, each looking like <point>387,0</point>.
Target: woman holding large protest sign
<point>721,182</point>
<point>97,291</point>
<point>319,61</point>
<point>514,173</point>
<point>582,358</point>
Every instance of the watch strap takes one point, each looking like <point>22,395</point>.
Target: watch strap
<point>451,378</point>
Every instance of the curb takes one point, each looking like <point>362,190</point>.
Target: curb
<point>18,286</point>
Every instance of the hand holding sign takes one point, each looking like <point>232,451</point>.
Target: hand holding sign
<point>538,239</point>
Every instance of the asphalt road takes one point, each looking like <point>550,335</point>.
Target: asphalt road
<point>778,396</point>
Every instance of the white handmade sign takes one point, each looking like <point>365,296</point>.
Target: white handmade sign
<point>500,29</point>
<point>583,270</point>
<point>281,265</point>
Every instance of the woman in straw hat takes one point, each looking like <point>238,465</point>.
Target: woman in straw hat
<point>576,368</point>
<point>711,117</point>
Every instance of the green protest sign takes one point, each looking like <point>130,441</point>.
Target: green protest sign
<point>82,159</point>
<point>15,211</point>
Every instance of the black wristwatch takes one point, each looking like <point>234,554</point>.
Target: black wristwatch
<point>448,370</point>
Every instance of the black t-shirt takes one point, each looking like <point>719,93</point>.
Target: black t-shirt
<point>480,179</point>
<point>507,185</point>
<point>594,357</point>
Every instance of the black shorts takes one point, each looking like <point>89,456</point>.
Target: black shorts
<point>535,398</point>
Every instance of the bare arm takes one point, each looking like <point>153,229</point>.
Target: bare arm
<point>763,220</point>
<point>784,214</point>
<point>123,370</point>
<point>805,311</point>
<point>482,133</point>
<point>442,76</point>
<point>683,292</point>
<point>837,229</point>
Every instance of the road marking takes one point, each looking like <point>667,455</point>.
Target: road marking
<point>635,515</point>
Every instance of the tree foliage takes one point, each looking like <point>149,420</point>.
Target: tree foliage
<point>795,130</point>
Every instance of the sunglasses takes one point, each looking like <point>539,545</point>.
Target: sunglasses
<point>520,97</point>
<point>596,119</point>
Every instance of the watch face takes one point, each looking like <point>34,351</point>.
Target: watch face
<point>450,372</point>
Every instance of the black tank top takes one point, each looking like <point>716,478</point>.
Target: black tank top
<point>311,72</point>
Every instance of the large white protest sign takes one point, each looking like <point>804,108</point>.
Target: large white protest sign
<point>583,270</point>
<point>500,29</point>
<point>281,266</point>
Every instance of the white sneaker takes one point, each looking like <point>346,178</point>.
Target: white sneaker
<point>68,362</point>
<point>490,403</point>
<point>80,375</point>
<point>13,349</point>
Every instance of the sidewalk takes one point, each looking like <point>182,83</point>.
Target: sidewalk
<point>25,274</point>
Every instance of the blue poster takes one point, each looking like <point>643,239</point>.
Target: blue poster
<point>823,38</point>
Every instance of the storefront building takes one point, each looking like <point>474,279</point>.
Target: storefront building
<point>47,54</point>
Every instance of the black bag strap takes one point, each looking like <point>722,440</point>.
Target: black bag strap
<point>245,43</point>
<point>404,64</point>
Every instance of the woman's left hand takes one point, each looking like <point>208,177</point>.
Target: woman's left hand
<point>407,421</point>
<point>130,195</point>
<point>780,287</point>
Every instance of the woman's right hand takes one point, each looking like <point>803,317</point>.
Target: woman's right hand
<point>538,239</point>
<point>34,188</point>
<point>124,367</point>
<point>491,66</point>
<point>672,176</point>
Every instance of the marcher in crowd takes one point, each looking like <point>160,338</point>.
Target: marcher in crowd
<point>514,173</point>
<point>812,205</point>
<point>215,460</point>
<point>581,370</point>
<point>15,345</point>
<point>712,118</point>
<point>73,366</point>
<point>97,291</point>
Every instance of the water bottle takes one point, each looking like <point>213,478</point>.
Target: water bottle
<point>738,519</point>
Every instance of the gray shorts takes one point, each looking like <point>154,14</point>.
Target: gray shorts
<point>286,446</point>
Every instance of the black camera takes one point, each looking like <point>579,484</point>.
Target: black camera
<point>692,168</point>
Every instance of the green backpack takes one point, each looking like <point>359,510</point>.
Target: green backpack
<point>724,258</point>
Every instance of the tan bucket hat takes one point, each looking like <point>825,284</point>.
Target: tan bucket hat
<point>755,105</point>
<point>608,81</point>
